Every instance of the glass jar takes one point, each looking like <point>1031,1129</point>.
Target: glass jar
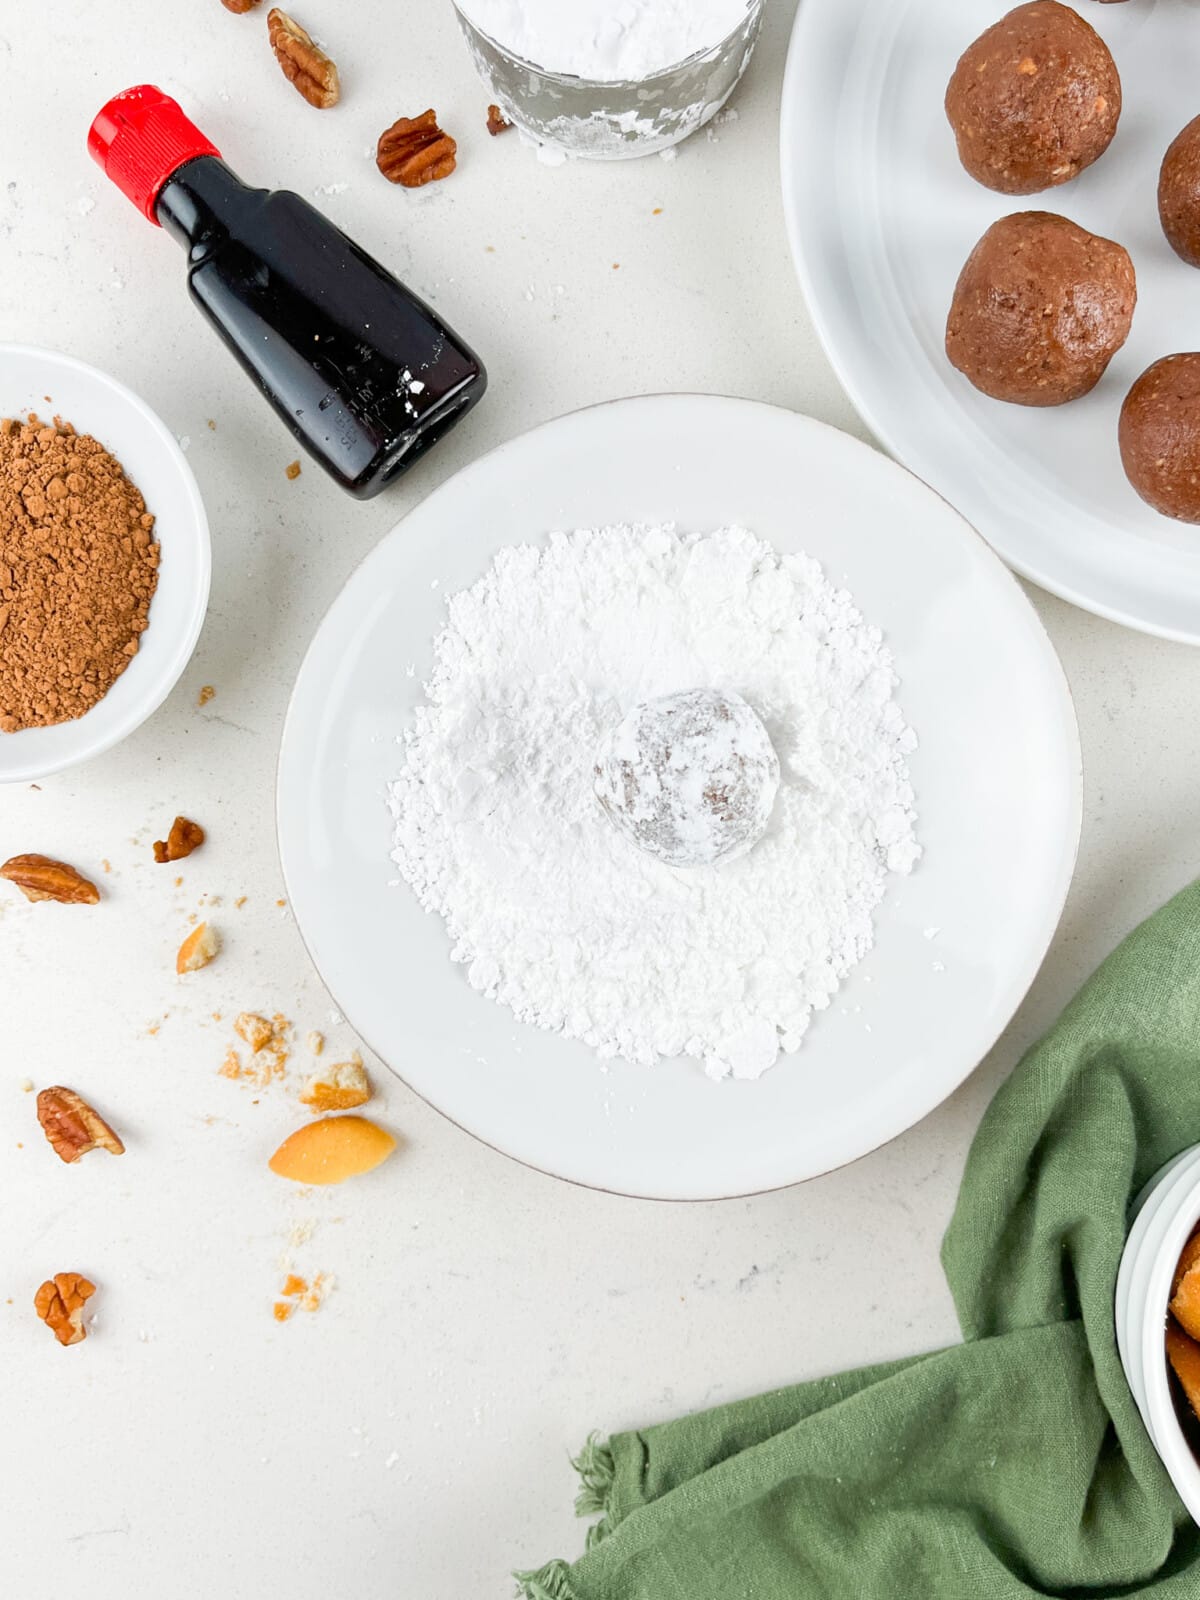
<point>612,121</point>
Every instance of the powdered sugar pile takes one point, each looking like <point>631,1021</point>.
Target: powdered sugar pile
<point>552,910</point>
<point>607,41</point>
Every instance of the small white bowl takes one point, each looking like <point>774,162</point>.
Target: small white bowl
<point>1168,1209</point>
<point>94,403</point>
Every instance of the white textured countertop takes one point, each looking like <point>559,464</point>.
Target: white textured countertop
<point>411,1438</point>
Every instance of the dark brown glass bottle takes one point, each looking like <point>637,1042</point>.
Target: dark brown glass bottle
<point>364,374</point>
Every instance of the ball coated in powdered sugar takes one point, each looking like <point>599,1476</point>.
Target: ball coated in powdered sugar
<point>690,778</point>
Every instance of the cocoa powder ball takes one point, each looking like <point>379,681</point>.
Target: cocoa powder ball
<point>1159,435</point>
<point>1040,309</point>
<point>1034,100</point>
<point>1179,194</point>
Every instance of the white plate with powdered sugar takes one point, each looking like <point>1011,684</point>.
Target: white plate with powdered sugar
<point>994,802</point>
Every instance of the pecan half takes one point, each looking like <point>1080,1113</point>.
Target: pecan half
<point>415,151</point>
<point>184,837</point>
<point>60,1302</point>
<point>304,64</point>
<point>43,878</point>
<point>239,6</point>
<point>497,122</point>
<point>72,1126</point>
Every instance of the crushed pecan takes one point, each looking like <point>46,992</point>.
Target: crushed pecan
<point>305,65</point>
<point>72,1126</point>
<point>415,151</point>
<point>43,878</point>
<point>184,837</point>
<point>60,1302</point>
<point>497,122</point>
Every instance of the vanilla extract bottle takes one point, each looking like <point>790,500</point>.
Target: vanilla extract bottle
<point>363,373</point>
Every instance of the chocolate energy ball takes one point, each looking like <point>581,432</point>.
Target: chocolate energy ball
<point>1034,100</point>
<point>1040,309</point>
<point>1179,194</point>
<point>690,778</point>
<point>1159,434</point>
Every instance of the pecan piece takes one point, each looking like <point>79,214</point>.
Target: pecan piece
<point>415,151</point>
<point>43,878</point>
<point>497,122</point>
<point>305,65</point>
<point>60,1302</point>
<point>184,837</point>
<point>72,1126</point>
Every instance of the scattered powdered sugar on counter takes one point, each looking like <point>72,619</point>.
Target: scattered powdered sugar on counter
<point>556,913</point>
<point>607,41</point>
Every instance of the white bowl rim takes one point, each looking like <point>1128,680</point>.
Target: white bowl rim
<point>1183,1199</point>
<point>1137,1263</point>
<point>185,644</point>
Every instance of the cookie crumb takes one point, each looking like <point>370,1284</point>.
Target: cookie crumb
<point>270,1049</point>
<point>318,1292</point>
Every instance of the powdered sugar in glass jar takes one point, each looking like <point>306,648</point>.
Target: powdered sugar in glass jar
<point>610,79</point>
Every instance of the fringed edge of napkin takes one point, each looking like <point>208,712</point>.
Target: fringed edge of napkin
<point>597,1472</point>
<point>551,1582</point>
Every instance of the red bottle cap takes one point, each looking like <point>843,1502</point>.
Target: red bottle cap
<point>142,137</point>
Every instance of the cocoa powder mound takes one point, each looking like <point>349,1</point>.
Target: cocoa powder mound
<point>78,569</point>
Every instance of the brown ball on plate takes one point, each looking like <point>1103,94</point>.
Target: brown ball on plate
<point>1159,435</point>
<point>1034,100</point>
<point>1040,309</point>
<point>1179,194</point>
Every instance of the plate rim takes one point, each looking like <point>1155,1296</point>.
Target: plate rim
<point>811,15</point>
<point>1073,756</point>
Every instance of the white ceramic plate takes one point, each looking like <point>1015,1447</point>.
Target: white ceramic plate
<point>997,779</point>
<point>882,216</point>
<point>97,404</point>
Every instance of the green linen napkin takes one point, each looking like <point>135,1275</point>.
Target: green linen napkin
<point>1014,1464</point>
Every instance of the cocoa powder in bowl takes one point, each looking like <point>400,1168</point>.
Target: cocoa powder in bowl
<point>78,569</point>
